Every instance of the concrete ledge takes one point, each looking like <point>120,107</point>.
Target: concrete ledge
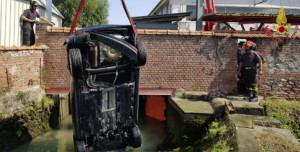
<point>190,108</point>
<point>249,121</point>
<point>246,140</point>
<point>251,108</point>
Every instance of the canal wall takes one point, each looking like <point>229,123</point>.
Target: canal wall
<point>192,60</point>
<point>25,115</point>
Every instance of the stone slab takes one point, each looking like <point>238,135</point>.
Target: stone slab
<point>284,133</point>
<point>250,108</point>
<point>246,140</point>
<point>193,107</point>
<point>195,95</point>
<point>241,98</point>
<point>250,121</point>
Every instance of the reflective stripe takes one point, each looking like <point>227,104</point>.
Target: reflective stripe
<point>251,89</point>
<point>248,68</point>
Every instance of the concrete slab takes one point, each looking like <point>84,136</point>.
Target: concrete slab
<point>284,133</point>
<point>193,107</point>
<point>250,121</point>
<point>246,140</point>
<point>250,108</point>
<point>241,98</point>
<point>195,95</point>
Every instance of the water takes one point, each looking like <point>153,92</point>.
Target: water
<point>61,140</point>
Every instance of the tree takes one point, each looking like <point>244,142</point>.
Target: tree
<point>94,12</point>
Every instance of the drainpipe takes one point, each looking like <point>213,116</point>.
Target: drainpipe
<point>200,10</point>
<point>49,10</point>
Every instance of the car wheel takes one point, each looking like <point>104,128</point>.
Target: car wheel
<point>142,54</point>
<point>75,63</point>
<point>137,139</point>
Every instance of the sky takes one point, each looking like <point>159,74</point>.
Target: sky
<point>135,8</point>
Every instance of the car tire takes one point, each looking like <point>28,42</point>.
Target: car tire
<point>136,135</point>
<point>142,54</point>
<point>75,63</point>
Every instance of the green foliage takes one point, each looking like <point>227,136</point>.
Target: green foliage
<point>47,101</point>
<point>94,12</point>
<point>44,87</point>
<point>251,123</point>
<point>220,138</point>
<point>287,112</point>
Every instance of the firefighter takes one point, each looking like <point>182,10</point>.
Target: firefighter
<point>248,64</point>
<point>28,18</point>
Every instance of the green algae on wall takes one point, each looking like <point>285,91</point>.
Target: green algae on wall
<point>25,124</point>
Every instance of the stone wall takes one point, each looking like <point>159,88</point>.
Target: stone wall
<point>282,69</point>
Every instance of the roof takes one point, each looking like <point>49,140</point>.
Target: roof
<point>158,6</point>
<point>248,18</point>
<point>161,18</point>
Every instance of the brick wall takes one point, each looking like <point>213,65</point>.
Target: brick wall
<point>191,60</point>
<point>20,69</point>
<point>57,74</point>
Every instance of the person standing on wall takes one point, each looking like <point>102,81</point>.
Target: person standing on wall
<point>28,18</point>
<point>249,63</point>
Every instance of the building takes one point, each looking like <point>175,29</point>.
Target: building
<point>10,22</point>
<point>224,6</point>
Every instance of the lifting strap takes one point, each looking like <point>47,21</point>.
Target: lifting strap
<point>77,16</point>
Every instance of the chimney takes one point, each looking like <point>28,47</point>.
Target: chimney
<point>49,10</point>
<point>200,11</point>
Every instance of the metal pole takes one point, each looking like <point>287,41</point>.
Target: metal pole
<point>200,10</point>
<point>49,10</point>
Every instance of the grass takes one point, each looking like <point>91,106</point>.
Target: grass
<point>220,138</point>
<point>271,143</point>
<point>287,112</point>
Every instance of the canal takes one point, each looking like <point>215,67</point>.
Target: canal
<point>61,140</point>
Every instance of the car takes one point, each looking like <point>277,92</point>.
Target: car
<point>104,62</point>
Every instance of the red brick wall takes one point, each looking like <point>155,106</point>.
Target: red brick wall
<point>22,67</point>
<point>57,74</point>
<point>189,62</point>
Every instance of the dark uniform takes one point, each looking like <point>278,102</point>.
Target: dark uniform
<point>250,61</point>
<point>28,32</point>
<point>241,84</point>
